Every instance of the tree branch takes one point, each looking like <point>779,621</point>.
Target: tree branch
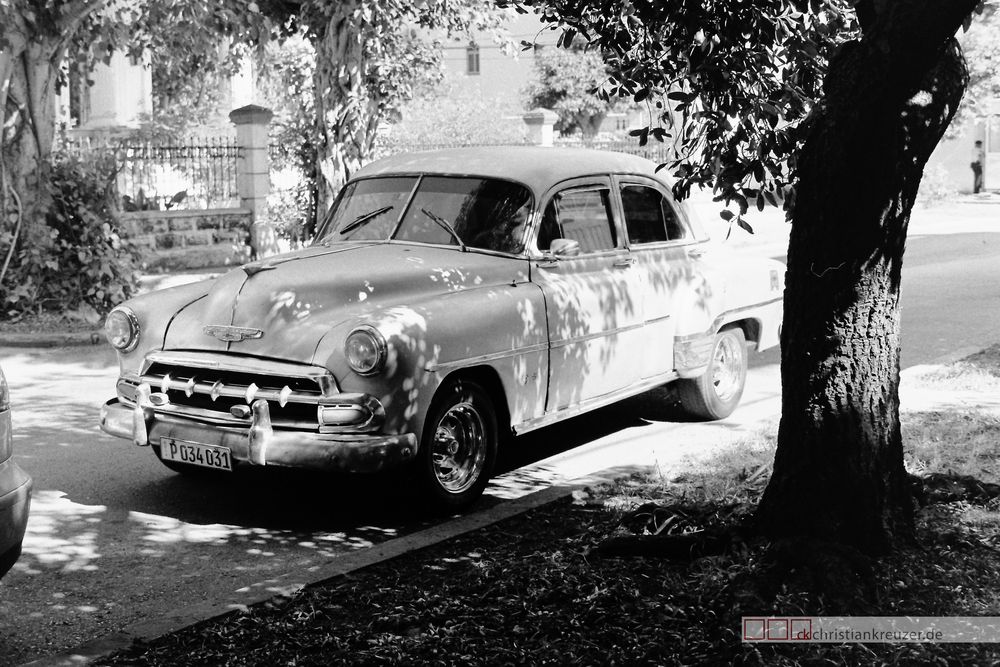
<point>73,13</point>
<point>916,33</point>
<point>866,14</point>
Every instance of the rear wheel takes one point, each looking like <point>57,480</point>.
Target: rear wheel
<point>716,394</point>
<point>459,445</point>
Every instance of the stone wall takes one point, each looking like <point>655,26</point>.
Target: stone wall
<point>193,239</point>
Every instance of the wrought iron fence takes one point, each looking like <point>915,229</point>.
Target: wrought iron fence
<point>657,151</point>
<point>196,174</point>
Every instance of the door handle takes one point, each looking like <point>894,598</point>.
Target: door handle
<point>696,253</point>
<point>547,263</point>
<point>625,263</point>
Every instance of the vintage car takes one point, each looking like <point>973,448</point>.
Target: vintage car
<point>451,299</point>
<point>15,489</point>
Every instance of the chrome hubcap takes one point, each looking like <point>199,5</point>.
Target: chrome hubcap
<point>727,368</point>
<point>459,448</point>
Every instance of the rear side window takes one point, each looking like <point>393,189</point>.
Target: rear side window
<point>583,216</point>
<point>649,217</point>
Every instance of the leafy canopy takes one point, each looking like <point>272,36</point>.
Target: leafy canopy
<point>564,82</point>
<point>730,82</point>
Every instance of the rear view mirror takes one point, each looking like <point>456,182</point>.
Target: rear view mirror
<point>564,247</point>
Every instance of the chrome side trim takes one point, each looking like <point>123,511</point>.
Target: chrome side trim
<point>484,358</point>
<point>656,320</point>
<point>592,404</point>
<point>600,334</point>
<point>725,315</point>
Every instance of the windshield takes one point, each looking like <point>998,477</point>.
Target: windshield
<point>484,213</point>
<point>368,210</point>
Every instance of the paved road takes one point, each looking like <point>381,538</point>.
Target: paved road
<point>114,538</point>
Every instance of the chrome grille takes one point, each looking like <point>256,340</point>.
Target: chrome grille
<point>209,386</point>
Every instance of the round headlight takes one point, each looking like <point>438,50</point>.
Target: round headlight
<point>365,350</point>
<point>122,329</point>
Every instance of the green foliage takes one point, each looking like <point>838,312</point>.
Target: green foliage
<point>731,83</point>
<point>443,116</point>
<point>286,85</point>
<point>981,45</point>
<point>78,256</point>
<point>935,186</point>
<point>565,81</point>
<point>371,56</point>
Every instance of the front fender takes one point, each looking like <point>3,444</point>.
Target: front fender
<point>500,327</point>
<point>155,311</point>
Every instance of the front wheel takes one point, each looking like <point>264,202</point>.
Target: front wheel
<point>459,445</point>
<point>716,394</point>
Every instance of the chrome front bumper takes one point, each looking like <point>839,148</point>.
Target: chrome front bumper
<point>261,443</point>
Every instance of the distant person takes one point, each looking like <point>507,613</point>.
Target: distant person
<point>978,157</point>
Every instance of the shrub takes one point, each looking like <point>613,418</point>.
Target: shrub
<point>77,256</point>
<point>935,186</point>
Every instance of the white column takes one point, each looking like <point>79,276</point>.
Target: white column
<point>252,174</point>
<point>121,92</point>
<point>541,126</point>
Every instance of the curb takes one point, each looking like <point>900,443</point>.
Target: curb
<point>292,582</point>
<point>52,339</point>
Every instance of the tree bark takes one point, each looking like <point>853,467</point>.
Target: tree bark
<point>838,472</point>
<point>29,124</point>
<point>347,109</point>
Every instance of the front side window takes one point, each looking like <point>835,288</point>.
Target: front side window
<point>583,216</point>
<point>649,217</point>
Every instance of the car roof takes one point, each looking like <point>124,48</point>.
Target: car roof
<point>537,167</point>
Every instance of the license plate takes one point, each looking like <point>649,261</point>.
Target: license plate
<point>196,454</point>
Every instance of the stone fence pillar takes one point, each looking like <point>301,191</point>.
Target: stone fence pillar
<point>253,177</point>
<point>541,126</point>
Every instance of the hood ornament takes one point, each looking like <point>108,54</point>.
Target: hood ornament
<point>228,334</point>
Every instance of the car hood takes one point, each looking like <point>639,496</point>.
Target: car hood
<point>296,299</point>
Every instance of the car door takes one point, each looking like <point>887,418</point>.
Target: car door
<point>667,265</point>
<point>592,307</point>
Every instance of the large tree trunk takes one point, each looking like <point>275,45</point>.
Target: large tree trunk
<point>347,108</point>
<point>838,473</point>
<point>28,116</point>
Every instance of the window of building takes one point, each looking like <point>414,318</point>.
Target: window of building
<point>472,59</point>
